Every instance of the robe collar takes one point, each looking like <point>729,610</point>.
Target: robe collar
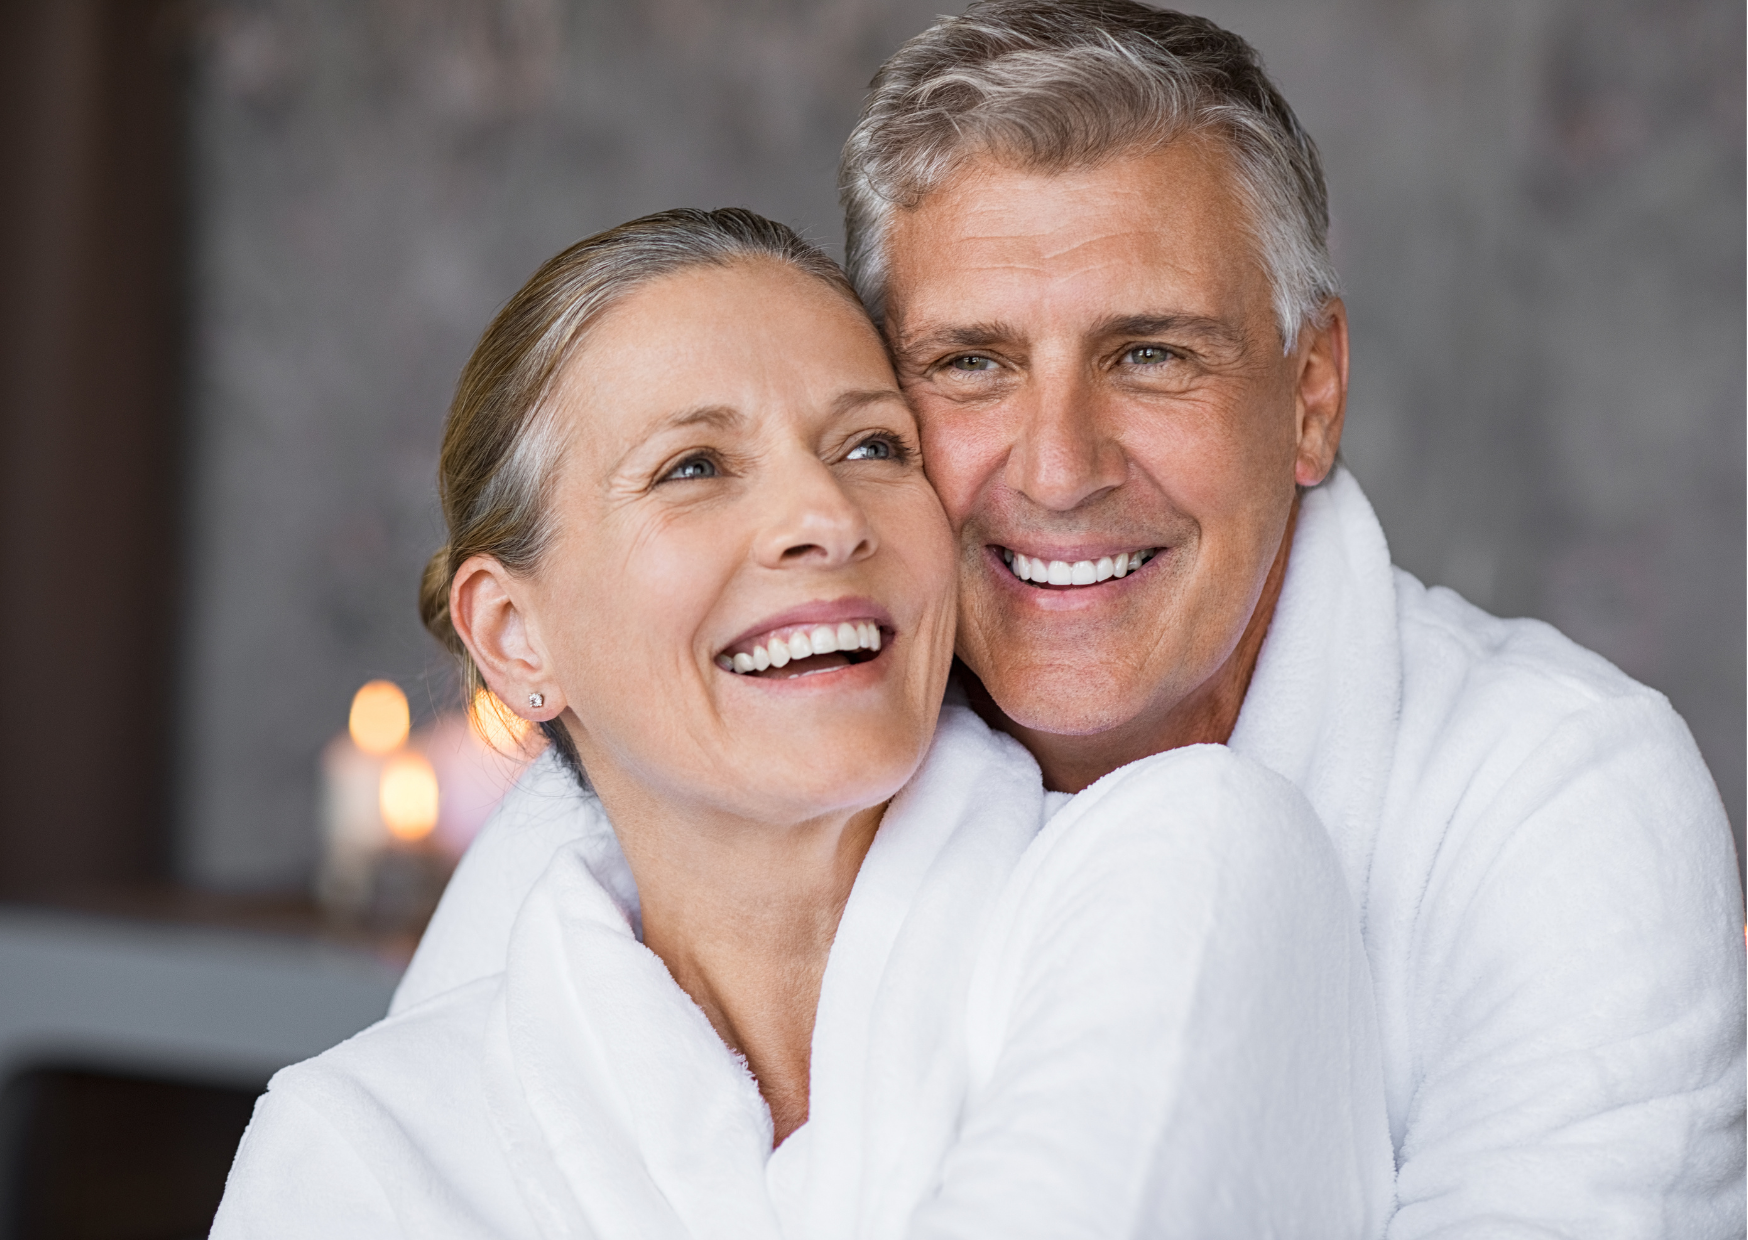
<point>1324,701</point>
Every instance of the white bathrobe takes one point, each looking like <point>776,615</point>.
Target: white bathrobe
<point>1547,888</point>
<point>1145,1014</point>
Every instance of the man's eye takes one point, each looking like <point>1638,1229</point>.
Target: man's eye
<point>877,448</point>
<point>1147,355</point>
<point>972,362</point>
<point>691,467</point>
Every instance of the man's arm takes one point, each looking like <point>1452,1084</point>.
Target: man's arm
<point>1576,1000</point>
<point>1172,1030</point>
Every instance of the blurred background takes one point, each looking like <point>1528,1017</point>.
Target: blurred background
<point>247,245</point>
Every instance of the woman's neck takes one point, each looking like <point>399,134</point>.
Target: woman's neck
<point>743,914</point>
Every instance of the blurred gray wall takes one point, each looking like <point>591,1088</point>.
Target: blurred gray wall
<point>1538,214</point>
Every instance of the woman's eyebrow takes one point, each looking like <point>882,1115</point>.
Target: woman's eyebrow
<point>719,417</point>
<point>849,402</point>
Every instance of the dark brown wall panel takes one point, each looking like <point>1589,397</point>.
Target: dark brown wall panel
<point>90,353</point>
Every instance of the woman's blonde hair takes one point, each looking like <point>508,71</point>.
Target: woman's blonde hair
<point>501,443</point>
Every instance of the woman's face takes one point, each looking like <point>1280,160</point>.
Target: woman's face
<point>741,485</point>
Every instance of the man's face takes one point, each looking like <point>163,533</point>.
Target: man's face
<point>1099,374</point>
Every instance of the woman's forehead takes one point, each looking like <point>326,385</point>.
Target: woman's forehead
<point>751,337</point>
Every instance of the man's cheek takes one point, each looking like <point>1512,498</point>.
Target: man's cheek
<point>955,466</point>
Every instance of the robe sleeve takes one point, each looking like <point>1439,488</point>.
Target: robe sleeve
<point>1576,998</point>
<point>296,1176</point>
<point>1171,1027</point>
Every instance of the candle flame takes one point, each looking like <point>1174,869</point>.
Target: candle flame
<point>380,720</point>
<point>495,724</point>
<point>408,796</point>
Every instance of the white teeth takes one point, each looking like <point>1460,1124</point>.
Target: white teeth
<point>779,650</point>
<point>1078,573</point>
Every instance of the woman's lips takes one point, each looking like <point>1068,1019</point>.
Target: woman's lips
<point>814,637</point>
<point>855,641</point>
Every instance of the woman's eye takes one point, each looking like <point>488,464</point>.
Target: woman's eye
<point>972,363</point>
<point>1147,355</point>
<point>691,467</point>
<point>878,448</point>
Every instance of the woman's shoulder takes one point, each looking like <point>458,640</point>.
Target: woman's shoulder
<point>468,938</point>
<point>396,1055</point>
<point>392,1123</point>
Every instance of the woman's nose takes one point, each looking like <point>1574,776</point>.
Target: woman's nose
<point>816,523</point>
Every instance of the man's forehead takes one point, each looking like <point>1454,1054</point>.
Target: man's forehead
<point>1162,231</point>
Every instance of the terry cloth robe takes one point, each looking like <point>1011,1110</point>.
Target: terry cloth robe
<point>1546,883</point>
<point>1026,1028</point>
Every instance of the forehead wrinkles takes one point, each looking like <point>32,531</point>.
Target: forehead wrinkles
<point>1138,220</point>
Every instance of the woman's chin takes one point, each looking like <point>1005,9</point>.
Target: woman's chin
<point>812,767</point>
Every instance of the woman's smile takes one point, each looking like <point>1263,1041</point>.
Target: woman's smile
<point>809,640</point>
<point>737,459</point>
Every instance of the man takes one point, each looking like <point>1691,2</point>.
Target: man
<point>1094,235</point>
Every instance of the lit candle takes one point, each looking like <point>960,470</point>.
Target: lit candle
<point>354,765</point>
<point>399,809</point>
<point>407,796</point>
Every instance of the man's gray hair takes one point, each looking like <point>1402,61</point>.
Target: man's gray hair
<point>1058,84</point>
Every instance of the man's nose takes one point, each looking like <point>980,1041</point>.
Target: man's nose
<point>815,522</point>
<point>1062,456</point>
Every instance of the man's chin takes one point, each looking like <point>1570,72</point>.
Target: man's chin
<point>1058,699</point>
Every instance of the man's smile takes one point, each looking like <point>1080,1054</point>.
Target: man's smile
<point>1048,573</point>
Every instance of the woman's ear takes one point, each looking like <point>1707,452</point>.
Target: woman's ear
<point>488,608</point>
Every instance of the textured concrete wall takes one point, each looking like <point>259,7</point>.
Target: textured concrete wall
<point>1538,213</point>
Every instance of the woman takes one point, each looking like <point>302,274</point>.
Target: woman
<point>809,957</point>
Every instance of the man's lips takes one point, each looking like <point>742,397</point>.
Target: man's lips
<point>1048,572</point>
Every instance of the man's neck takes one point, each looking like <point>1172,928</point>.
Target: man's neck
<point>1206,716</point>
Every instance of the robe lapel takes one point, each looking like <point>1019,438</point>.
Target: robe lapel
<point>626,1114</point>
<point>1324,701</point>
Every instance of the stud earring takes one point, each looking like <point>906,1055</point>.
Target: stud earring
<point>536,701</point>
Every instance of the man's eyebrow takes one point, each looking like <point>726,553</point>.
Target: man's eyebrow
<point>987,335</point>
<point>1196,326</point>
<point>962,336</point>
